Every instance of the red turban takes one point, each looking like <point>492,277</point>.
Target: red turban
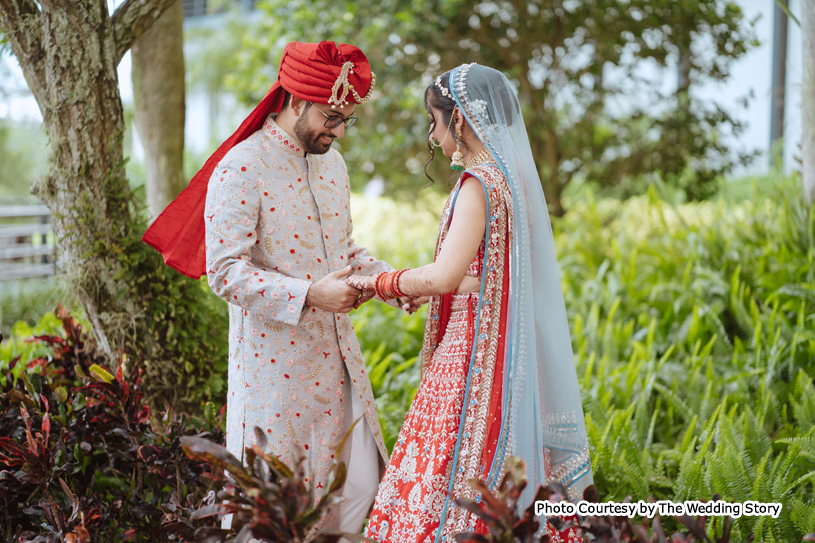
<point>316,72</point>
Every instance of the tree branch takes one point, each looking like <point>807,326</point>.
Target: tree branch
<point>20,21</point>
<point>132,19</point>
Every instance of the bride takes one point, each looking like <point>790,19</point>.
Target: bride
<point>498,375</point>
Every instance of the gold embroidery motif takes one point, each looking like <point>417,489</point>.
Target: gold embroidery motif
<point>260,159</point>
<point>321,399</point>
<point>315,372</point>
<point>268,245</point>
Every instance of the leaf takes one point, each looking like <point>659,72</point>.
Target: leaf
<point>693,526</point>
<point>786,10</point>
<point>46,429</point>
<point>101,373</point>
<point>83,536</point>
<point>339,478</point>
<point>66,489</point>
<point>209,511</point>
<point>216,455</point>
<point>261,438</point>
<point>209,412</point>
<point>283,471</point>
<point>19,396</point>
<point>659,532</point>
<point>474,508</point>
<point>245,535</point>
<point>311,516</point>
<point>61,393</point>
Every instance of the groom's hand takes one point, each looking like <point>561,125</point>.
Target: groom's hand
<point>412,305</point>
<point>332,295</point>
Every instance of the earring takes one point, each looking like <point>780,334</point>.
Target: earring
<point>457,160</point>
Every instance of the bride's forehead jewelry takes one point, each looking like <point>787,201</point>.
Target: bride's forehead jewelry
<point>443,89</point>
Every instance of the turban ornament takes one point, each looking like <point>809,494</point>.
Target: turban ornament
<point>342,82</point>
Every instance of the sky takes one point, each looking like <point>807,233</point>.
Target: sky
<point>751,76</point>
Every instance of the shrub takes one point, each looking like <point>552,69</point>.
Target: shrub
<point>82,456</point>
<point>267,499</point>
<point>692,331</point>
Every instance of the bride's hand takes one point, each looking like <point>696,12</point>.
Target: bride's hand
<point>412,304</point>
<point>366,284</point>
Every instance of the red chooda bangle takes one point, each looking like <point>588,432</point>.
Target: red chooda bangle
<point>387,285</point>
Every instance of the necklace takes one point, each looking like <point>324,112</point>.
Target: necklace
<point>481,158</point>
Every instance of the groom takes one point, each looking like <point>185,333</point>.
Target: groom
<point>278,243</point>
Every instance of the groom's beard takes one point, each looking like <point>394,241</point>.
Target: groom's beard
<point>310,139</point>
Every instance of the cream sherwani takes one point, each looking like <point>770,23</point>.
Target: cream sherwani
<point>278,220</point>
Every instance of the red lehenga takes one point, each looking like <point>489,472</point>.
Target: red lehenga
<point>416,497</point>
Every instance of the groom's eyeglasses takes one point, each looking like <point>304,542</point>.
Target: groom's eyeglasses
<point>333,121</point>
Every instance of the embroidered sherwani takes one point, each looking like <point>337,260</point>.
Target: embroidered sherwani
<point>278,220</point>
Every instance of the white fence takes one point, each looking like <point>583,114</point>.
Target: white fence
<point>26,242</point>
<point>201,8</point>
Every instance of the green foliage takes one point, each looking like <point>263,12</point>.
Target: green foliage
<point>175,326</point>
<point>17,345</point>
<point>209,58</point>
<point>183,326</point>
<point>22,147</point>
<point>692,327</point>
<point>81,457</point>
<point>693,341</point>
<point>576,65</point>
<point>23,304</point>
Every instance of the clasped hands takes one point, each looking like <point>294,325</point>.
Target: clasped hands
<point>338,292</point>
<point>367,286</point>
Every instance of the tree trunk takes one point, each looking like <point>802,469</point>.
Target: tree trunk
<point>779,85</point>
<point>85,188</point>
<point>808,99</point>
<point>158,92</point>
<point>69,51</point>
